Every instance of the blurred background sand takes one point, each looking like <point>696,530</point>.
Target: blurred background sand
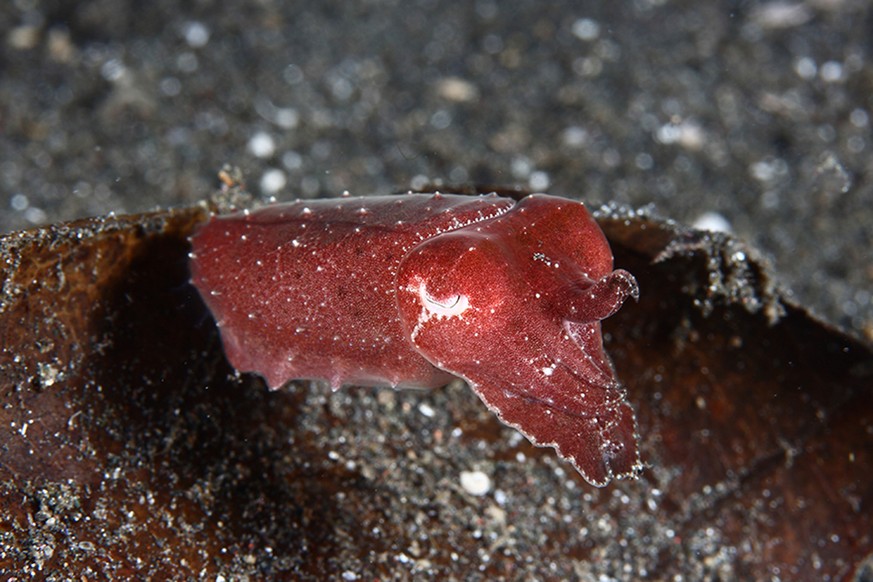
<point>747,116</point>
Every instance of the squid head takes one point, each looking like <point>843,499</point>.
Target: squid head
<point>513,305</point>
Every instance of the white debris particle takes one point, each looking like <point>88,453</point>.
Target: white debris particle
<point>779,14</point>
<point>113,70</point>
<point>475,482</point>
<point>273,181</point>
<point>644,161</point>
<point>539,181</point>
<point>262,145</point>
<point>521,167</point>
<point>713,222</point>
<point>349,575</point>
<point>19,202</point>
<point>286,117</point>
<point>574,137</point>
<point>419,181</point>
<point>23,37</point>
<point>196,34</point>
<point>426,410</point>
<point>441,119</point>
<point>341,88</point>
<point>35,215</point>
<point>831,72</point>
<point>292,160</point>
<point>859,118</point>
<point>170,86</point>
<point>805,68</point>
<point>686,133</point>
<point>768,170</point>
<point>586,29</point>
<point>457,89</point>
<point>48,374</point>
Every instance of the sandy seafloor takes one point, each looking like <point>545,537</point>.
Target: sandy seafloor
<point>752,116</point>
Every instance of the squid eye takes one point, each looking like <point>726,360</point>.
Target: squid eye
<point>447,304</point>
<point>449,307</point>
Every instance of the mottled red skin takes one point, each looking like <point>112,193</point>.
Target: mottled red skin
<point>413,290</point>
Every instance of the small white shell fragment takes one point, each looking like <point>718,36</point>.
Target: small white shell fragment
<point>273,180</point>
<point>262,145</point>
<point>713,222</point>
<point>475,482</point>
